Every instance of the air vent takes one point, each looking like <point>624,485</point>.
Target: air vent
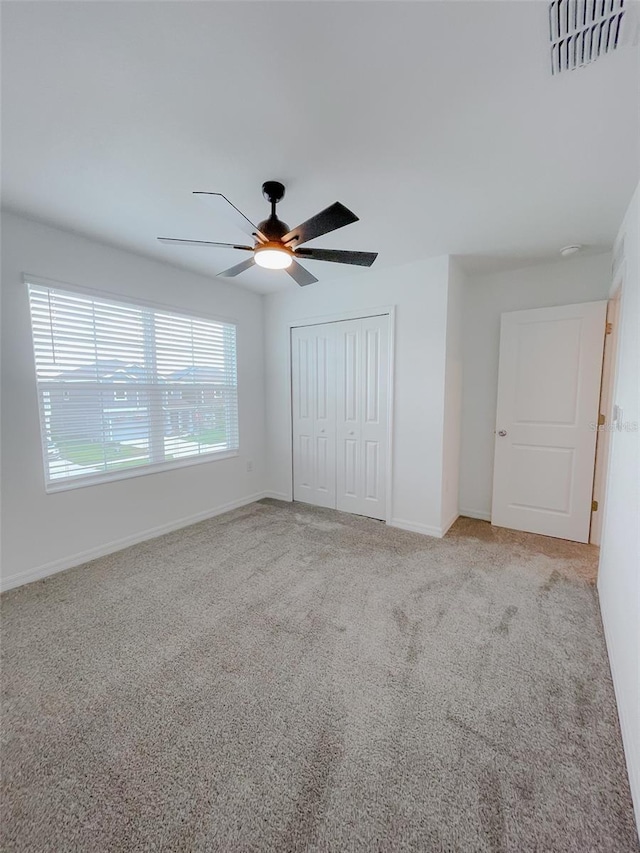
<point>582,30</point>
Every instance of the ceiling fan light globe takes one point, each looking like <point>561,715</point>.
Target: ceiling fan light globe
<point>272,258</point>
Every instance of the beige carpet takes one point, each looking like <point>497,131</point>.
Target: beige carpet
<point>284,678</point>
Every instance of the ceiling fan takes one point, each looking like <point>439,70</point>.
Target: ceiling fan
<point>276,246</point>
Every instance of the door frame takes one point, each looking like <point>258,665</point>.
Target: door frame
<point>606,407</point>
<point>384,310</point>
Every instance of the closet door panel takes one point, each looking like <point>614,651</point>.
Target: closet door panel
<point>372,484</point>
<point>362,394</point>
<point>313,409</point>
<point>348,415</point>
<point>375,368</point>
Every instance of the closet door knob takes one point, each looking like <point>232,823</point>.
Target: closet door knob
<point>322,430</point>
<point>502,433</point>
<point>350,432</point>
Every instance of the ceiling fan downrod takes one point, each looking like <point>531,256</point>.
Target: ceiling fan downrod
<point>273,228</point>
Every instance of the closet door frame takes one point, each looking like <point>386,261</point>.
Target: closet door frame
<point>388,310</point>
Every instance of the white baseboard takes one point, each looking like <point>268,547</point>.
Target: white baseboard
<point>476,513</point>
<point>60,565</point>
<point>277,496</point>
<point>414,527</point>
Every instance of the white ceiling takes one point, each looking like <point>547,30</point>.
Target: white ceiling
<point>438,123</point>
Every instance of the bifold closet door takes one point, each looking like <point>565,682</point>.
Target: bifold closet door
<point>313,369</point>
<point>362,384</point>
<point>340,388</point>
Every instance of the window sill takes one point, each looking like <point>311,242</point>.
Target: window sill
<point>160,468</point>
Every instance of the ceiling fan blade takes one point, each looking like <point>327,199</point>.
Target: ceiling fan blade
<point>333,217</point>
<point>233,271</point>
<point>338,256</point>
<point>179,242</point>
<point>226,209</point>
<point>300,275</point>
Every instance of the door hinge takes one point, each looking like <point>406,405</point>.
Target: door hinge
<point>608,328</point>
<point>594,506</point>
<point>601,420</point>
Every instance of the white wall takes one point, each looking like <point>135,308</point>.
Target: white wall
<point>419,292</point>
<point>452,397</point>
<point>568,281</point>
<point>42,532</point>
<point>619,573</point>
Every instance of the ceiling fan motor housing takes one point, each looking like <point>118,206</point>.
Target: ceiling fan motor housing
<point>273,228</point>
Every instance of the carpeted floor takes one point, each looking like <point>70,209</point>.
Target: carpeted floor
<point>287,678</point>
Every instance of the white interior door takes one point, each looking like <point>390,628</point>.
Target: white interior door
<point>362,352</point>
<point>548,392</point>
<point>314,414</point>
<point>340,391</point>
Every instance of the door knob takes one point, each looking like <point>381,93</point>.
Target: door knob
<point>502,433</point>
<point>322,430</point>
<point>350,432</point>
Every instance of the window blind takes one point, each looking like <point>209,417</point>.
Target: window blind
<point>124,388</point>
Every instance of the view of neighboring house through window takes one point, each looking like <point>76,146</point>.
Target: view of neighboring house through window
<point>124,386</point>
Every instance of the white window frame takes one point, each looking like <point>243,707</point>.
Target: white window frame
<point>144,470</point>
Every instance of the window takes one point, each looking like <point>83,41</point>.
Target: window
<point>125,389</point>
